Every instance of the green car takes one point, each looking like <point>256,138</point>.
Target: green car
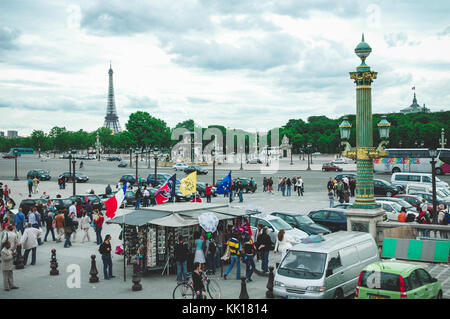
<point>397,280</point>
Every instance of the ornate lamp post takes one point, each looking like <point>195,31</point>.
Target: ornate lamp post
<point>74,180</point>
<point>241,168</point>
<point>155,157</point>
<point>137,157</point>
<point>131,157</point>
<point>97,144</point>
<point>267,155</point>
<point>443,140</point>
<point>308,150</point>
<point>433,154</point>
<point>16,178</point>
<point>213,154</point>
<point>291,155</point>
<point>364,152</point>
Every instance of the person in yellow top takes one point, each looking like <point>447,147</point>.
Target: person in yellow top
<point>235,251</point>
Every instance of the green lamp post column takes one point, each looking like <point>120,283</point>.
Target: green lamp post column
<point>363,78</point>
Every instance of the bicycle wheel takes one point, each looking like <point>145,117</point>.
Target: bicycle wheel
<point>183,291</point>
<point>213,289</point>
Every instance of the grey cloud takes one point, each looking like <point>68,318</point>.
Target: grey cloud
<point>196,100</point>
<point>248,22</point>
<point>396,39</point>
<point>141,102</point>
<point>8,38</point>
<point>258,54</point>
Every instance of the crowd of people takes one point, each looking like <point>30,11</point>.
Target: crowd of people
<point>341,190</point>
<point>285,185</point>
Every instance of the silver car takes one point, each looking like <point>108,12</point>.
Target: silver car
<point>275,224</point>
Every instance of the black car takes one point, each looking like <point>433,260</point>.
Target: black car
<point>61,203</point>
<point>40,174</point>
<point>332,218</point>
<point>29,203</point>
<point>383,188</point>
<point>122,164</point>
<point>302,222</point>
<point>160,180</point>
<point>179,197</point>
<point>201,189</point>
<point>79,177</point>
<point>341,176</point>
<point>114,158</point>
<point>97,203</point>
<point>254,161</point>
<point>192,168</point>
<point>128,179</point>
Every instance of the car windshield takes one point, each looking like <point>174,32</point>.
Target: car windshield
<point>303,264</point>
<point>387,281</point>
<point>383,182</point>
<point>441,193</point>
<point>444,191</point>
<point>396,206</point>
<point>280,224</point>
<point>302,219</point>
<point>404,203</point>
<point>93,198</point>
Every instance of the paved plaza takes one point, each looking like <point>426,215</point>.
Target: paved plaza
<point>74,263</point>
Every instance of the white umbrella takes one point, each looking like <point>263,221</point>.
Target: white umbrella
<point>208,221</point>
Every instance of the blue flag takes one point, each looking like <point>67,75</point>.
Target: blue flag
<point>224,185</point>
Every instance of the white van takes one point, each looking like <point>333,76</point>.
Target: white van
<point>327,269</point>
<point>404,179</point>
<point>425,188</point>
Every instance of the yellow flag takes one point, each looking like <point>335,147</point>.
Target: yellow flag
<point>189,184</point>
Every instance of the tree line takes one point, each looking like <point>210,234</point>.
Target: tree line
<point>144,131</point>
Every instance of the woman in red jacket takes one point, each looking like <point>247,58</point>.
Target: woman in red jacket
<point>98,222</point>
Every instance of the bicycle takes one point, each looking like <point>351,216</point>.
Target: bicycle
<point>185,290</point>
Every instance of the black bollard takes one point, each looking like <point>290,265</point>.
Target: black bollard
<point>269,292</point>
<point>54,264</point>
<point>136,279</point>
<point>19,258</point>
<point>244,294</point>
<point>93,272</point>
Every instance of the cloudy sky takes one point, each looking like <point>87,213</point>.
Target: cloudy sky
<point>243,64</point>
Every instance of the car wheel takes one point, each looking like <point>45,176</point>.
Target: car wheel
<point>389,194</point>
<point>323,169</point>
<point>338,294</point>
<point>439,171</point>
<point>395,170</point>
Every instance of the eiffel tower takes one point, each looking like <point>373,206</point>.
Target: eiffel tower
<point>111,118</point>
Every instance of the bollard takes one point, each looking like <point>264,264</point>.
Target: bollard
<point>19,258</point>
<point>269,292</point>
<point>136,279</point>
<point>93,272</point>
<point>244,294</point>
<point>54,264</point>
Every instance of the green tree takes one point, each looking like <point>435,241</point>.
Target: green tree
<point>147,131</point>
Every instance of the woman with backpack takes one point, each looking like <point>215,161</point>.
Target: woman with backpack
<point>424,220</point>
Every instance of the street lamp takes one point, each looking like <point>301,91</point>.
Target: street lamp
<point>131,157</point>
<point>155,157</point>
<point>241,168</point>
<point>137,156</point>
<point>192,147</point>
<point>267,155</point>
<point>70,164</point>
<point>308,149</point>
<point>97,144</point>
<point>291,156</point>
<point>16,178</point>
<point>73,171</point>
<point>433,154</point>
<point>443,140</point>
<point>213,154</point>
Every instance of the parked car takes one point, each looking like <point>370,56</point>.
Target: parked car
<point>8,155</point>
<point>429,198</point>
<point>128,178</point>
<point>180,166</point>
<point>383,188</point>
<point>179,197</point>
<point>397,280</point>
<point>328,269</point>
<point>29,203</point>
<point>114,158</point>
<point>160,180</point>
<point>415,201</point>
<point>443,193</point>
<point>393,209</point>
<point>250,185</point>
<point>254,161</point>
<point>122,164</point>
<point>193,168</point>
<point>40,174</point>
<point>332,218</point>
<point>97,203</point>
<point>302,222</point>
<point>61,203</point>
<point>341,176</point>
<point>79,177</point>
<point>201,189</point>
<point>130,198</point>
<point>275,224</point>
<point>327,167</point>
<point>404,179</point>
<point>401,202</point>
<point>339,160</point>
<point>343,205</point>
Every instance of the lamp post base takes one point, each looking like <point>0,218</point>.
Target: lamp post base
<point>364,220</point>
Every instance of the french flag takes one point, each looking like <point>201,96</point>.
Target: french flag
<point>113,203</point>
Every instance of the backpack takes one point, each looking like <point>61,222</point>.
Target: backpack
<point>446,220</point>
<point>212,247</point>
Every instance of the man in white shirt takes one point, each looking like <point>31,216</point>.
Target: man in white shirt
<point>146,197</point>
<point>72,209</point>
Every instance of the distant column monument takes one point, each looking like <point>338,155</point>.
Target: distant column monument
<point>111,118</point>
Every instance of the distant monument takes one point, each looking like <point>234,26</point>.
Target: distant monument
<point>111,118</point>
<point>415,107</point>
<point>285,147</point>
